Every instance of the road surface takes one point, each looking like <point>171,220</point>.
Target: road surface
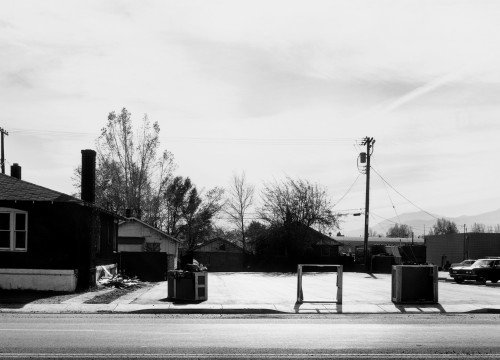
<point>104,336</point>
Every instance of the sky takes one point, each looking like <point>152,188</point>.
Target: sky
<point>274,88</point>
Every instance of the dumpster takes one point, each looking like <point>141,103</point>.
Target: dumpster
<point>412,284</point>
<point>187,285</point>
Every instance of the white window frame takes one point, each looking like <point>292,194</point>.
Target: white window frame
<point>12,214</point>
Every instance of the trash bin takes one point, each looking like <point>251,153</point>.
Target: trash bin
<point>413,284</point>
<point>187,285</point>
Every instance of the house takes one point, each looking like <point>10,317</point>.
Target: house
<point>454,248</point>
<point>146,251</point>
<point>322,248</point>
<point>351,242</point>
<point>282,251</point>
<point>50,240</point>
<point>404,250</point>
<point>219,254</point>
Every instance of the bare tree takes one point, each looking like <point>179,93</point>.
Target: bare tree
<point>240,199</point>
<point>399,230</point>
<point>155,207</point>
<point>297,201</point>
<point>291,208</point>
<point>133,157</point>
<point>443,226</point>
<point>372,232</point>
<point>129,173</point>
<point>478,228</point>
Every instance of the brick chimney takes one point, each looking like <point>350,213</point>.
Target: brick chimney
<point>88,176</point>
<point>15,171</point>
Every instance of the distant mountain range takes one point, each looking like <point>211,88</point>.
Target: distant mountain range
<point>421,221</point>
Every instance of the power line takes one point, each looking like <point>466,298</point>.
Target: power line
<point>262,141</point>
<point>395,222</point>
<point>404,197</point>
<point>390,199</point>
<point>52,132</point>
<point>379,224</point>
<point>348,190</point>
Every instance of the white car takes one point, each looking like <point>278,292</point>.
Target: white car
<point>460,265</point>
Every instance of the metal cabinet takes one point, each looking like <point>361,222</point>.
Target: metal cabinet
<point>414,284</point>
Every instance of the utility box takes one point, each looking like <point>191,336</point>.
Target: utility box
<point>184,285</point>
<point>414,284</point>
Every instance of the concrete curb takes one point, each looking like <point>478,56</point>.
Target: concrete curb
<point>369,295</point>
<point>263,309</point>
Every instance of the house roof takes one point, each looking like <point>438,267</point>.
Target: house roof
<point>133,219</point>
<point>380,240</point>
<point>324,237</point>
<point>14,189</point>
<point>217,239</point>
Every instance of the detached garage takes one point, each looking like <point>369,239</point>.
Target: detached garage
<point>220,255</point>
<point>146,251</point>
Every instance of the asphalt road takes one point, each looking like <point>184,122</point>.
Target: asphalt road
<point>188,337</point>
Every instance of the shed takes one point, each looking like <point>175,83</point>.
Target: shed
<point>134,235</point>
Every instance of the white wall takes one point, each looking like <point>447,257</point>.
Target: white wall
<point>135,229</point>
<point>38,279</point>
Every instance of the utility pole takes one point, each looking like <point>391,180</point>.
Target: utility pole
<point>466,255</point>
<point>369,149</point>
<point>2,155</point>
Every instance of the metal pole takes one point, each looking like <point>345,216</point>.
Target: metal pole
<point>466,255</point>
<point>368,142</point>
<point>2,156</point>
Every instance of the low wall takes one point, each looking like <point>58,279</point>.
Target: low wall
<point>38,279</point>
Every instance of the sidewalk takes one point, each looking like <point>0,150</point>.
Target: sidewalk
<point>268,293</point>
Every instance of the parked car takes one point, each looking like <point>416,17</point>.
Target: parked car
<point>467,262</point>
<point>481,270</point>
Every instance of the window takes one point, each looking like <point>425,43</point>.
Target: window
<point>325,250</point>
<point>152,247</point>
<point>13,230</point>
